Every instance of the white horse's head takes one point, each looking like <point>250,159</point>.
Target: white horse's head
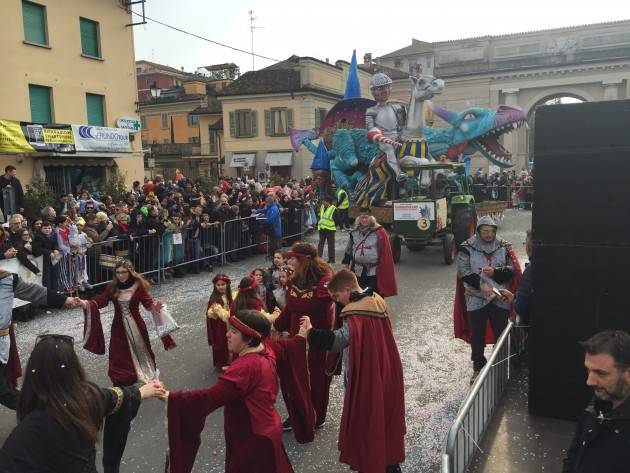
<point>425,87</point>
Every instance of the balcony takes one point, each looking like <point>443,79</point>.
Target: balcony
<point>184,150</point>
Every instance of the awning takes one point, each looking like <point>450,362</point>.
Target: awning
<point>107,162</point>
<point>284,158</point>
<point>242,160</point>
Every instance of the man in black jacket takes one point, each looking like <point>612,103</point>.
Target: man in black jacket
<point>602,439</point>
<point>9,181</point>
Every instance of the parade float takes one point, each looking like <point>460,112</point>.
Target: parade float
<point>412,176</point>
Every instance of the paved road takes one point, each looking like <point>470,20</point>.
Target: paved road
<point>436,367</point>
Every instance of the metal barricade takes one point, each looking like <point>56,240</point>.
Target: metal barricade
<point>193,248</point>
<point>238,235</point>
<point>292,224</point>
<point>476,411</point>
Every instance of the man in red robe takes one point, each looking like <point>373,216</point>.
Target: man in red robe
<point>372,433</point>
<point>248,390</point>
<point>369,255</point>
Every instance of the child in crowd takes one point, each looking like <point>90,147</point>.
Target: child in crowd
<point>82,243</point>
<point>274,271</point>
<point>260,277</point>
<point>46,242</point>
<point>248,298</point>
<point>280,293</point>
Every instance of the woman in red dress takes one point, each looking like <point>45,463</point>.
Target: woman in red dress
<point>131,359</point>
<point>217,315</point>
<point>248,298</point>
<point>307,295</point>
<point>248,391</point>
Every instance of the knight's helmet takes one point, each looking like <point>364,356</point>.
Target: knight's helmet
<point>379,79</point>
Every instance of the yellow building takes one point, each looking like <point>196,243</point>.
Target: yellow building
<point>261,106</point>
<point>69,62</point>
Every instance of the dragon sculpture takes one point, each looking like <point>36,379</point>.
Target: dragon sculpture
<point>471,130</point>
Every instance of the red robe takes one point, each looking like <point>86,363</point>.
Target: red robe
<point>372,431</point>
<point>385,272</point>
<point>121,368</point>
<point>293,370</point>
<point>252,425</point>
<point>460,316</point>
<point>317,304</point>
<point>13,370</point>
<point>217,330</point>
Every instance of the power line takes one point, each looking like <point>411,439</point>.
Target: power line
<point>203,38</point>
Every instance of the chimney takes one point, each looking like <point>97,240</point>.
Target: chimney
<point>182,68</point>
<point>327,60</point>
<point>367,58</point>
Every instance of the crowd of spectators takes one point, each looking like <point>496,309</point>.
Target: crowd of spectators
<point>160,225</point>
<point>514,187</point>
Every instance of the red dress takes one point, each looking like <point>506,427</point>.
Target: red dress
<point>130,356</point>
<point>252,426</point>
<point>216,326</point>
<point>316,303</point>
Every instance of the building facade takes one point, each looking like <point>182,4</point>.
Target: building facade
<point>261,106</point>
<point>69,62</point>
<point>586,63</point>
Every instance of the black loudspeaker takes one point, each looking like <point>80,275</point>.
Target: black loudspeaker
<point>582,173</point>
<point>581,232</point>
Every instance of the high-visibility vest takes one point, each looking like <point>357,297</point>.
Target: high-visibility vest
<point>345,201</point>
<point>326,221</point>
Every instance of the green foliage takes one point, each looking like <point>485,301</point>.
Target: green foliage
<point>206,183</point>
<point>36,197</point>
<point>115,187</point>
<point>276,179</point>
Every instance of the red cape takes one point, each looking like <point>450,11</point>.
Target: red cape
<point>13,369</point>
<point>460,316</point>
<point>385,272</point>
<point>252,426</point>
<point>372,432</point>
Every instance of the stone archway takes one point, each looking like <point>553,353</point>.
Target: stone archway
<point>546,99</point>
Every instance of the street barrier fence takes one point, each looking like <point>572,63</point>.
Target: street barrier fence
<point>194,249</point>
<point>475,413</point>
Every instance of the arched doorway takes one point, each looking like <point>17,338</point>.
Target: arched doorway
<point>555,99</point>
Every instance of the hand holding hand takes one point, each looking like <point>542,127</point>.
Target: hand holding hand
<point>73,302</point>
<point>152,389</point>
<point>305,326</point>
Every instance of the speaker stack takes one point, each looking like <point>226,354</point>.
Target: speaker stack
<point>581,232</point>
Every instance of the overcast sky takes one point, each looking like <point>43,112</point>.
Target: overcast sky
<point>332,29</point>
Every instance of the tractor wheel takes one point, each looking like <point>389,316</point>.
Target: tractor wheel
<point>415,246</point>
<point>396,244</point>
<point>450,248</point>
<point>464,222</point>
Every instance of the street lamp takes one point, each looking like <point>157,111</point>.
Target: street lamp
<point>155,90</point>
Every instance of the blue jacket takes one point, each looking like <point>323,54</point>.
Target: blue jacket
<point>272,217</point>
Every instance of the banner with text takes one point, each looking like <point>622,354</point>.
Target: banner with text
<point>26,137</point>
<point>98,138</point>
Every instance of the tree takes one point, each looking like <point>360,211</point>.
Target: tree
<point>37,196</point>
<point>115,187</point>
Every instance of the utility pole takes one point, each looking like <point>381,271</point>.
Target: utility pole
<point>251,29</point>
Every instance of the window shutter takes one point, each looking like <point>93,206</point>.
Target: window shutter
<point>318,119</point>
<point>40,104</point>
<point>232,124</point>
<point>289,119</point>
<point>89,38</point>
<point>254,117</point>
<point>34,19</point>
<point>95,110</point>
<point>268,128</point>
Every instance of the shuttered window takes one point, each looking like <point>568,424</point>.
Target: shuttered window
<point>41,109</point>
<point>34,17</point>
<point>278,121</point>
<point>243,124</point>
<point>95,109</point>
<point>89,38</point>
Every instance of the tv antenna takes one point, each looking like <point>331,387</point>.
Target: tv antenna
<point>251,29</point>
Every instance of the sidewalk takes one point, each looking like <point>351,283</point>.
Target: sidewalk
<point>519,442</point>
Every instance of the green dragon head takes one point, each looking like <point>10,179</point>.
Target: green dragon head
<point>479,129</point>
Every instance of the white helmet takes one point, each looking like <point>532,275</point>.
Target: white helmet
<point>379,79</point>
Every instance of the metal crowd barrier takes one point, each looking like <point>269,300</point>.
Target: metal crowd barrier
<point>196,249</point>
<point>475,413</point>
<point>516,196</point>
